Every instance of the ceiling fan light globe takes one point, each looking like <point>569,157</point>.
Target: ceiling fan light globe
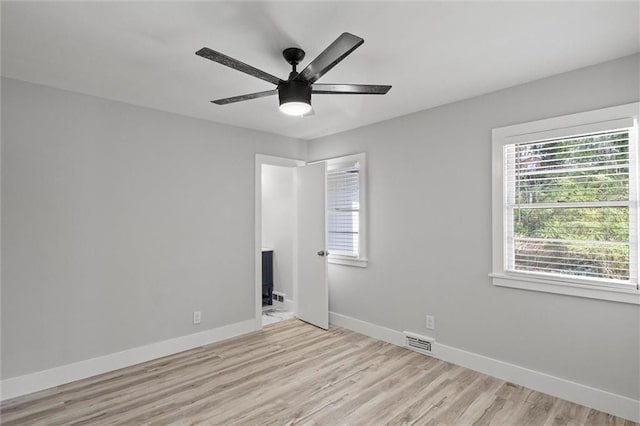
<point>295,108</point>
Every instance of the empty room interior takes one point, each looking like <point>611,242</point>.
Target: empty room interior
<point>323,213</point>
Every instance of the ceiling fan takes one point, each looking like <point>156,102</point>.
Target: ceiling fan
<point>295,92</point>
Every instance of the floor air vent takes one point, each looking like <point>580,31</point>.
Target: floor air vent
<point>418,343</point>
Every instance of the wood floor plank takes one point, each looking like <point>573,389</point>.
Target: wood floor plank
<point>464,402</point>
<point>341,407</point>
<point>535,410</point>
<point>252,384</point>
<point>430,401</point>
<point>227,381</point>
<point>294,373</point>
<point>255,389</point>
<point>301,389</point>
<point>566,413</point>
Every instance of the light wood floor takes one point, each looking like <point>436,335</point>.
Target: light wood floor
<point>294,373</point>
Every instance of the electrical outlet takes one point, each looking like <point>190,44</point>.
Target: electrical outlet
<point>431,322</point>
<point>197,317</point>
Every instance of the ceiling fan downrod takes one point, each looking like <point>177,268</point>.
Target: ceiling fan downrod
<point>293,56</point>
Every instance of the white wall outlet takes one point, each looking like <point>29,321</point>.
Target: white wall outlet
<point>197,317</point>
<point>431,322</point>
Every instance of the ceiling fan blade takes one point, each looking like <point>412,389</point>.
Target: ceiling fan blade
<point>337,51</point>
<point>350,89</point>
<point>223,59</point>
<point>245,97</point>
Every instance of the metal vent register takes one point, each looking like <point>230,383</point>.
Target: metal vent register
<point>418,343</point>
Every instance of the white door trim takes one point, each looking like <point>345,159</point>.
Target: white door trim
<point>261,160</point>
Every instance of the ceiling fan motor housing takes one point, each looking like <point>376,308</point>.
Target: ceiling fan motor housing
<point>294,91</point>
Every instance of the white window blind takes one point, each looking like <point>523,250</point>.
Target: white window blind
<point>571,207</point>
<point>343,209</point>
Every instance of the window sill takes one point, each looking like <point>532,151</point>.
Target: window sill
<point>348,261</point>
<point>620,295</point>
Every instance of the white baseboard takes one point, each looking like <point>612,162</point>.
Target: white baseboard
<point>33,382</point>
<point>289,305</point>
<point>367,328</point>
<point>608,402</point>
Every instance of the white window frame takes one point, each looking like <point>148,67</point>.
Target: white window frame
<point>566,126</point>
<point>361,260</point>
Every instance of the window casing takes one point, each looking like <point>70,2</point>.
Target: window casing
<point>346,219</point>
<point>565,205</point>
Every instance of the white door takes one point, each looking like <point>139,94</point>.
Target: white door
<point>313,289</point>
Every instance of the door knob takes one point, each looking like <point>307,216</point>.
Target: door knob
<point>322,253</point>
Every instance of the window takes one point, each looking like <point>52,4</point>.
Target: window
<point>565,199</point>
<point>346,240</point>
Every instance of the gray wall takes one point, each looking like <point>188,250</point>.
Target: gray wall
<point>278,221</point>
<point>430,236</point>
<point>117,223</point>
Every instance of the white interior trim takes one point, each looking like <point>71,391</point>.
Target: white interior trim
<point>567,288</point>
<point>570,122</point>
<point>368,329</point>
<point>262,159</point>
<point>564,126</point>
<point>362,259</point>
<point>33,382</point>
<point>290,305</point>
<point>569,131</point>
<point>338,260</point>
<point>608,402</point>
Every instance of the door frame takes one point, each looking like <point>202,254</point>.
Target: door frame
<point>270,160</point>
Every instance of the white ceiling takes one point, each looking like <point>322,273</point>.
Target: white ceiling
<point>431,52</point>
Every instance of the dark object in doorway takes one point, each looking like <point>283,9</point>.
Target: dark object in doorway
<point>267,277</point>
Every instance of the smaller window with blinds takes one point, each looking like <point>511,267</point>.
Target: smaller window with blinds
<point>346,241</point>
<point>568,202</point>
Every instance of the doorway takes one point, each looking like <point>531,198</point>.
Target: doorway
<point>276,218</point>
<point>301,259</point>
<point>278,236</point>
